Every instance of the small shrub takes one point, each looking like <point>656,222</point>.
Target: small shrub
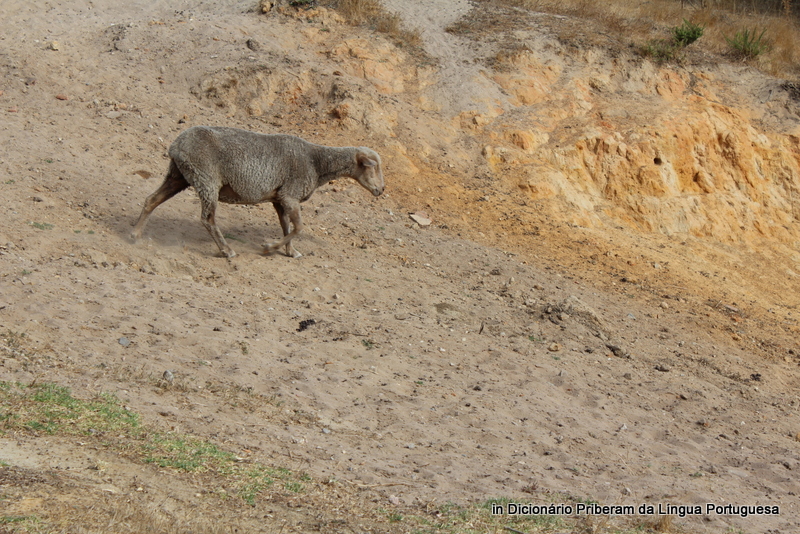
<point>749,44</point>
<point>663,50</point>
<point>687,33</point>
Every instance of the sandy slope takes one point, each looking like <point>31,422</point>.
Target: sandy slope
<point>437,369</point>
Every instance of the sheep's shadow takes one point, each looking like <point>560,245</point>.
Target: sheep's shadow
<point>178,224</point>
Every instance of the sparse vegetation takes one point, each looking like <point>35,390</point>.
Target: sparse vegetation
<point>372,13</point>
<point>622,22</point>
<point>748,44</point>
<point>662,50</point>
<point>53,409</point>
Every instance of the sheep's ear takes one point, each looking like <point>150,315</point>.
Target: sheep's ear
<point>366,161</point>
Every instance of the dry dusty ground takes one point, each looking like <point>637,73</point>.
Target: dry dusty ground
<point>440,367</point>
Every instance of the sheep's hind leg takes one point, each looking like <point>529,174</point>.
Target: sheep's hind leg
<point>284,219</point>
<point>289,211</point>
<point>173,184</point>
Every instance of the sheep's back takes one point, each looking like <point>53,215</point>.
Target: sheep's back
<point>254,165</point>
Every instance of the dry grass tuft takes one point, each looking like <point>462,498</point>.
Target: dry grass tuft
<point>371,13</point>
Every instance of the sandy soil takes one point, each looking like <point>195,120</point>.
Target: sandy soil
<point>437,369</point>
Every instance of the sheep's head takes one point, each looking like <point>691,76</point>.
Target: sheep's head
<point>369,173</point>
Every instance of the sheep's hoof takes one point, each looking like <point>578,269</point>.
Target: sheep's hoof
<point>227,254</point>
<point>293,254</point>
<point>269,250</point>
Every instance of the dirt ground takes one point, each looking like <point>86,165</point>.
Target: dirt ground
<point>454,362</point>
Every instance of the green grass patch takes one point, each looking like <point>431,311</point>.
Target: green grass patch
<point>184,453</point>
<point>53,410</point>
<point>748,44</point>
<point>41,226</point>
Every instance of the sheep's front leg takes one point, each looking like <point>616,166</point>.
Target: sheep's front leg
<point>207,216</point>
<point>283,217</point>
<point>288,212</point>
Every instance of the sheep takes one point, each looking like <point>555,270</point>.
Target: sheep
<point>241,167</point>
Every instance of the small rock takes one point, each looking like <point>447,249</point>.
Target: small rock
<point>168,376</point>
<point>114,114</point>
<point>664,305</point>
<point>326,430</point>
<point>12,109</point>
<point>622,428</point>
<point>554,347</point>
<point>662,368</point>
<point>627,376</point>
<point>53,45</point>
<point>394,499</point>
<point>411,446</point>
<point>626,491</point>
<point>618,352</point>
<point>253,45</point>
<point>61,96</point>
<point>421,218</point>
<point>124,341</point>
